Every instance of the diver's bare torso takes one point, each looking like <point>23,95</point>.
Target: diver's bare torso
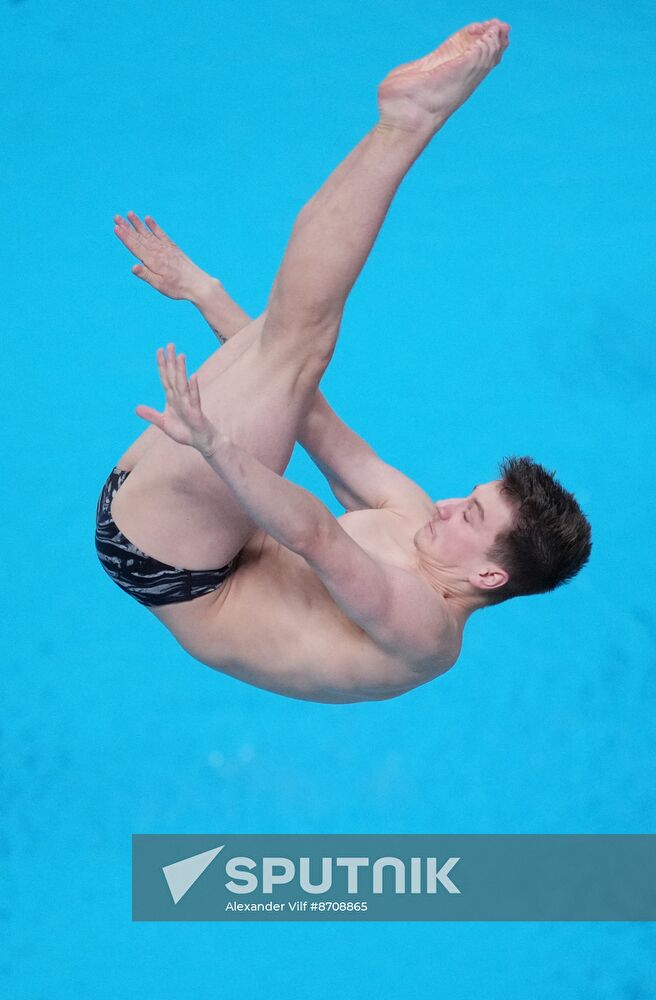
<point>273,624</point>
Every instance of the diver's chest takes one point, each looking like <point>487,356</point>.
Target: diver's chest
<point>381,533</point>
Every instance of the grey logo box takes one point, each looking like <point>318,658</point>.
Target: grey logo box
<point>591,877</point>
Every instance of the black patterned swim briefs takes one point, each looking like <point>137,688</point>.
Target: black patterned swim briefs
<point>148,580</point>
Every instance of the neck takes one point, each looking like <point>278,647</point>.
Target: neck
<point>458,594</point>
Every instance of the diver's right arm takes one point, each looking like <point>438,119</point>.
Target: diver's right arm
<point>357,476</point>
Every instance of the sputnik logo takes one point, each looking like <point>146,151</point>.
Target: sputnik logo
<point>181,875</point>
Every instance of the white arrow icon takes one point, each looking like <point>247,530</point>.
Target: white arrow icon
<point>181,875</point>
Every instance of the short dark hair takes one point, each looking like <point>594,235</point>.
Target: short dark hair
<point>550,537</point>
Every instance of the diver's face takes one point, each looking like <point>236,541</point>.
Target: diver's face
<point>463,529</point>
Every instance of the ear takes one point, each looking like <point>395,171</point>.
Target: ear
<point>489,579</point>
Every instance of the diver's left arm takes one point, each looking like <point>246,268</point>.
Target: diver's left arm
<point>391,605</point>
<point>360,585</point>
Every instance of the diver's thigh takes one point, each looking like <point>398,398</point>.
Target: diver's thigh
<point>174,506</point>
<point>220,360</point>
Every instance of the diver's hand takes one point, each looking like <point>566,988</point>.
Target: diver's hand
<point>183,419</point>
<point>163,264</point>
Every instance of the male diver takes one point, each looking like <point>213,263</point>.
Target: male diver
<point>252,574</point>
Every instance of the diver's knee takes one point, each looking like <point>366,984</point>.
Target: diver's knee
<point>306,346</point>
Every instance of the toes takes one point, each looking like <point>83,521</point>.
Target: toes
<point>495,38</point>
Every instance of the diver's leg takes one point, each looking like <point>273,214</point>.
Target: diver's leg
<point>173,505</point>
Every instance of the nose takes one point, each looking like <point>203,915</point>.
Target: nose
<point>446,508</point>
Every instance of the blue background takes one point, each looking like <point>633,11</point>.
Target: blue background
<point>507,308</point>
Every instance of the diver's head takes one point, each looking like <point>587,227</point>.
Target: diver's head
<point>520,534</point>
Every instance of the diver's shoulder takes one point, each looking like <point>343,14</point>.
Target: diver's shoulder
<point>440,649</point>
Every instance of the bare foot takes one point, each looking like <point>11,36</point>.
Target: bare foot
<point>424,93</point>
